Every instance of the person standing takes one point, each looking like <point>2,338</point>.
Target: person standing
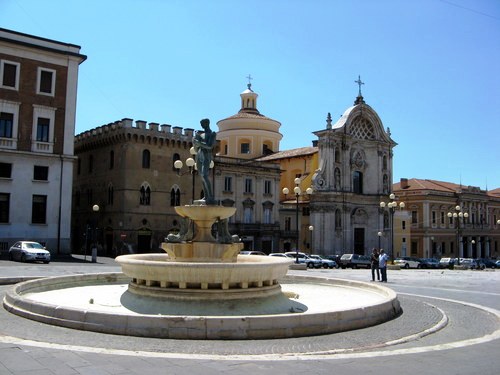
<point>382,265</point>
<point>374,264</point>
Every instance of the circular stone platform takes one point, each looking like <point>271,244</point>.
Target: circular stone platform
<point>101,303</point>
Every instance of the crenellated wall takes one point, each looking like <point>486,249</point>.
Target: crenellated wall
<point>153,131</point>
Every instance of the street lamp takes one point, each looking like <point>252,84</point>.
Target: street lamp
<point>311,228</point>
<point>457,216</point>
<point>297,191</point>
<point>391,206</point>
<point>379,234</point>
<point>191,164</point>
<point>95,209</point>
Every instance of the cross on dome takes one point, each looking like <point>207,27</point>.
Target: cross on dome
<point>249,85</point>
<point>359,82</point>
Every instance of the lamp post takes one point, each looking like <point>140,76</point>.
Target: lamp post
<point>457,216</point>
<point>191,164</point>
<point>391,206</point>
<point>379,234</point>
<point>95,209</point>
<point>297,191</point>
<point>311,228</point>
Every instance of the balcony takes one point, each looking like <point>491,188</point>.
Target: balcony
<point>9,143</point>
<point>46,147</point>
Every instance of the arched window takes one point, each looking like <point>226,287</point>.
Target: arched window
<point>175,157</point>
<point>338,219</point>
<point>386,221</point>
<point>175,197</point>
<point>384,162</point>
<point>357,182</point>
<point>336,155</point>
<point>337,181</point>
<point>248,205</point>
<point>110,194</point>
<point>145,195</point>
<point>385,183</point>
<point>248,215</point>
<point>91,163</point>
<point>268,212</point>
<point>146,159</point>
<point>111,159</point>
<point>77,198</point>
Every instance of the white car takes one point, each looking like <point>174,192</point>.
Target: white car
<point>29,251</point>
<point>407,262</point>
<point>283,255</point>
<point>304,258</point>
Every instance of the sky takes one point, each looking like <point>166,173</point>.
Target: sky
<point>431,69</point>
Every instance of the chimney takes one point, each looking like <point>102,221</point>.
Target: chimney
<point>404,183</point>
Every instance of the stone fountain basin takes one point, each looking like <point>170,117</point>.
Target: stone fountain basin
<point>101,303</point>
<point>158,275</point>
<point>204,213</point>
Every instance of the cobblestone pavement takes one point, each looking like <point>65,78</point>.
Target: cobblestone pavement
<point>450,325</point>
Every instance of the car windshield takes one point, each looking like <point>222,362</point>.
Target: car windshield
<point>33,245</point>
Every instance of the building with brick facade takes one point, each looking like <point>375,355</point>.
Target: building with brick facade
<point>126,187</point>
<point>38,90</point>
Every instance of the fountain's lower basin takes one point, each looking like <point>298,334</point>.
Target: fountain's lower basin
<point>249,277</point>
<point>101,303</point>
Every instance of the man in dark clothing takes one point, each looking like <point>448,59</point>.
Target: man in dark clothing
<point>374,264</point>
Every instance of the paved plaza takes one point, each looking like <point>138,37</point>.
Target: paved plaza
<point>450,325</point>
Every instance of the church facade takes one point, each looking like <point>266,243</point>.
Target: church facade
<point>354,175</point>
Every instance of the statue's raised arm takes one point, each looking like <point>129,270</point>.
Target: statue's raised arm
<point>204,143</point>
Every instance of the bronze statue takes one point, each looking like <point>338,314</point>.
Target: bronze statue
<point>204,142</point>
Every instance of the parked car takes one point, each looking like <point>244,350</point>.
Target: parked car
<point>327,263</point>
<point>469,263</point>
<point>429,263</point>
<point>29,251</point>
<point>278,255</point>
<point>488,263</point>
<point>252,252</point>
<point>304,258</point>
<point>336,258</point>
<point>407,262</point>
<point>355,261</point>
<point>447,262</point>
<point>497,264</point>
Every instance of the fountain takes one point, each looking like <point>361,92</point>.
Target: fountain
<point>201,288</point>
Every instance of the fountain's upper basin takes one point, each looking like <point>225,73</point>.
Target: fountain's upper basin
<point>204,213</point>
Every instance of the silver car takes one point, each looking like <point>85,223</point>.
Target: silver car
<point>29,251</point>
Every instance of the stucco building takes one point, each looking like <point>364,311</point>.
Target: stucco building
<point>246,182</point>
<point>296,231</point>
<point>472,231</point>
<point>38,90</point>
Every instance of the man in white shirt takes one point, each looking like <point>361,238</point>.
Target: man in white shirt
<point>382,265</point>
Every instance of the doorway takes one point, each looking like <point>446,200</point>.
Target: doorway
<point>359,241</point>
